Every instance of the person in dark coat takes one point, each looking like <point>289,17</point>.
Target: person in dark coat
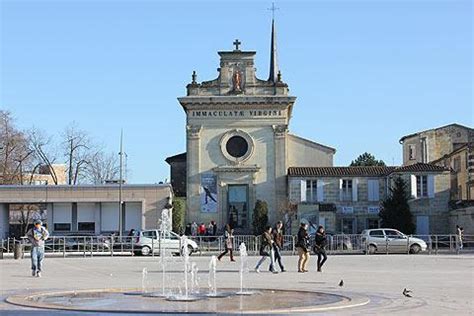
<point>278,244</point>
<point>320,242</point>
<point>266,249</point>
<point>302,245</point>
<point>229,243</point>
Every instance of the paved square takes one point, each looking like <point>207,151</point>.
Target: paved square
<point>441,284</point>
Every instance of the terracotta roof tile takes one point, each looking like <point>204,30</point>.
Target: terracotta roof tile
<point>361,171</point>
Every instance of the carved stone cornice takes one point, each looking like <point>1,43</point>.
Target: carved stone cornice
<point>193,131</point>
<point>239,168</point>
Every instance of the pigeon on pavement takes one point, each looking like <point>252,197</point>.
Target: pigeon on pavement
<point>406,292</point>
<point>341,284</point>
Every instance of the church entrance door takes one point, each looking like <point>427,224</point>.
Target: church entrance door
<point>237,206</point>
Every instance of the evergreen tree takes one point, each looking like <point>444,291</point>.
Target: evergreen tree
<point>260,217</point>
<point>395,212</point>
<point>367,159</point>
<point>178,215</point>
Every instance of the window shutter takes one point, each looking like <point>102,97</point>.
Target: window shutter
<point>413,185</point>
<point>295,193</point>
<point>355,182</point>
<point>320,189</point>
<point>370,190</point>
<point>340,189</point>
<point>430,186</point>
<point>303,190</point>
<point>373,190</point>
<point>376,190</point>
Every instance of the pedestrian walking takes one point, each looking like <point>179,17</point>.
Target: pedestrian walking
<point>37,235</point>
<point>194,229</point>
<point>302,245</point>
<point>278,244</point>
<point>320,242</point>
<point>266,250</point>
<point>460,236</point>
<point>229,243</point>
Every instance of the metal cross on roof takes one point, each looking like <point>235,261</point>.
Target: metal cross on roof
<point>273,9</point>
<point>237,43</point>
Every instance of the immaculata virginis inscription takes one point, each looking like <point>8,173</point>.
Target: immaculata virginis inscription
<point>238,113</point>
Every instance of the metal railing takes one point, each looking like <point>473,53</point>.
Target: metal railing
<point>89,246</point>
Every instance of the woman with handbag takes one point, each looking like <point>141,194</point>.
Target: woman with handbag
<point>266,249</point>
<point>229,243</point>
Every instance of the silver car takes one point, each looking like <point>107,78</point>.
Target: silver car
<point>146,240</point>
<point>388,240</point>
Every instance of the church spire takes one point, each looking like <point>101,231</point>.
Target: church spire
<point>273,50</point>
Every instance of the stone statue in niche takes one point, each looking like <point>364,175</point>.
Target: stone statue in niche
<point>237,81</point>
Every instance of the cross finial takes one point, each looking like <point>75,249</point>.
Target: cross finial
<point>273,9</point>
<point>237,43</point>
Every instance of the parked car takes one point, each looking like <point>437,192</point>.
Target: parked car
<point>383,240</point>
<point>146,240</point>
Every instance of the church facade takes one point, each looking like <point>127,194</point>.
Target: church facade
<point>238,145</point>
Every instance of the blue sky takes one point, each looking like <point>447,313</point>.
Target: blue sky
<point>365,72</point>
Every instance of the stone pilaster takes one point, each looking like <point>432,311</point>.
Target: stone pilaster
<point>193,144</point>
<point>281,165</point>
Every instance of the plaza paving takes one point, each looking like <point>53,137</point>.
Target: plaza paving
<point>441,284</point>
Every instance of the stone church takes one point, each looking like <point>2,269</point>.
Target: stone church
<point>238,145</point>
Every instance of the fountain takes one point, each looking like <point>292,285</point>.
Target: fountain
<point>212,277</point>
<point>165,254</point>
<point>243,269</point>
<point>186,296</point>
<point>194,278</point>
<point>144,284</point>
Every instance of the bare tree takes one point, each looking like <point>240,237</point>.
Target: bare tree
<point>102,166</point>
<point>14,150</point>
<point>77,147</point>
<point>40,144</point>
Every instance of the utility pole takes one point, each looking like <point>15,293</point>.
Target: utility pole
<point>120,185</point>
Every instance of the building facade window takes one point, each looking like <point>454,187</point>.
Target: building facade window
<point>373,223</point>
<point>63,227</point>
<point>421,186</point>
<point>311,190</point>
<point>457,164</point>
<point>237,146</point>
<point>411,152</point>
<point>347,225</point>
<point>346,188</point>
<point>86,226</point>
<point>424,151</point>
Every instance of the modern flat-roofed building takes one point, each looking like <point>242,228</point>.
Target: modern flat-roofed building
<point>82,208</point>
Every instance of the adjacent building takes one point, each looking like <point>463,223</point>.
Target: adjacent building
<point>450,146</point>
<point>81,209</point>
<point>348,199</point>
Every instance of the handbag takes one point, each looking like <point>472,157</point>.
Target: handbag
<point>265,251</point>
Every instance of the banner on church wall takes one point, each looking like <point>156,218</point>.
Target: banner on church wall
<point>208,193</point>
